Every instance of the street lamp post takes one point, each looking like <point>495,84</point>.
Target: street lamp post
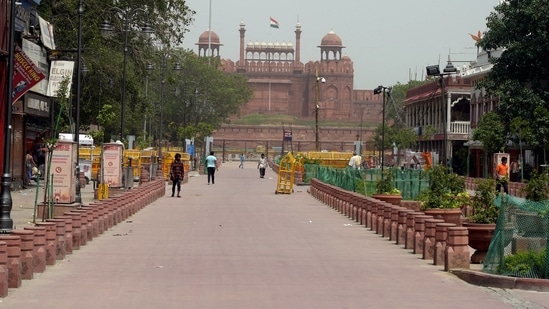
<point>361,120</point>
<point>433,70</point>
<point>80,11</point>
<point>317,107</point>
<point>6,202</point>
<point>379,90</point>
<point>164,55</point>
<point>128,16</point>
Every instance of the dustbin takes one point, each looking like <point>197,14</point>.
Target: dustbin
<point>128,176</point>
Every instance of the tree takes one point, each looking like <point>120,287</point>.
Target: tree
<point>519,77</point>
<point>203,96</point>
<point>104,56</point>
<point>520,133</point>
<point>541,134</point>
<point>402,138</point>
<point>394,106</point>
<point>397,132</point>
<point>491,132</point>
<point>220,95</point>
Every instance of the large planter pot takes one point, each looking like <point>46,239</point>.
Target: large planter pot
<point>480,236</point>
<point>389,198</point>
<point>452,215</point>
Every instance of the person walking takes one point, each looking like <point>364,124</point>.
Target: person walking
<point>502,176</point>
<point>211,165</point>
<point>29,164</point>
<point>261,165</point>
<point>177,171</point>
<point>515,170</point>
<point>355,162</point>
<point>241,161</point>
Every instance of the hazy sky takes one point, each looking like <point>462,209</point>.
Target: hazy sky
<point>387,40</point>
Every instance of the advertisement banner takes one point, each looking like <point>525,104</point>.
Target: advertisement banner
<point>39,56</point>
<point>112,164</point>
<point>62,171</point>
<point>46,33</point>
<point>59,70</point>
<point>25,75</point>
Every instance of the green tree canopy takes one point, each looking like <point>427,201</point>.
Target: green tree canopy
<point>219,95</point>
<point>519,77</point>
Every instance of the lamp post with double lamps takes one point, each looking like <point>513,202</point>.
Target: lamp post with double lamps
<point>165,55</point>
<point>79,72</point>
<point>6,202</point>
<point>378,90</point>
<point>317,107</point>
<point>128,16</point>
<point>433,70</point>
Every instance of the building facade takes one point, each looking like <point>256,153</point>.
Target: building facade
<point>439,112</point>
<point>284,84</point>
<point>30,117</point>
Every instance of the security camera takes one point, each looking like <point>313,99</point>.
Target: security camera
<point>322,80</point>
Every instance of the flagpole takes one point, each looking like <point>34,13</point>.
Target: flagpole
<point>210,32</point>
<point>269,62</point>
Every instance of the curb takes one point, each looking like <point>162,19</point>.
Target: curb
<point>503,282</point>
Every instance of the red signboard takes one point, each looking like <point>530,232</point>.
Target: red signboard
<point>25,75</point>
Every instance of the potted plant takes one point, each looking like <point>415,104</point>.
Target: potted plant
<point>445,196</point>
<point>482,222</point>
<point>385,189</point>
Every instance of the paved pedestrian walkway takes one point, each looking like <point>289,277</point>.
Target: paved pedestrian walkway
<point>236,244</point>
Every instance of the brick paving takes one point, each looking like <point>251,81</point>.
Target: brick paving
<point>236,244</point>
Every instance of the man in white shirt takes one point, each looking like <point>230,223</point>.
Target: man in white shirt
<point>211,165</point>
<point>261,165</point>
<point>355,162</point>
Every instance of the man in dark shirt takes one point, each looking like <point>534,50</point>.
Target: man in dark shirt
<point>176,174</point>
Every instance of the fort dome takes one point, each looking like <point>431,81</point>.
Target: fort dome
<point>204,37</point>
<point>331,39</point>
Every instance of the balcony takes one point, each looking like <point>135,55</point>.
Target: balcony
<point>460,127</point>
<point>456,127</point>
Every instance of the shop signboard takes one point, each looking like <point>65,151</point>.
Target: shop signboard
<point>60,70</point>
<point>111,165</point>
<point>62,173</point>
<point>39,56</point>
<point>25,75</point>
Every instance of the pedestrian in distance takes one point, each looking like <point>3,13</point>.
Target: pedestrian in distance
<point>515,170</point>
<point>261,165</point>
<point>241,161</point>
<point>30,164</point>
<point>211,165</point>
<point>355,162</point>
<point>177,171</point>
<point>502,176</point>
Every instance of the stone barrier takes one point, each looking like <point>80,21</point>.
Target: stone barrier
<point>445,243</point>
<point>39,249</point>
<point>31,250</point>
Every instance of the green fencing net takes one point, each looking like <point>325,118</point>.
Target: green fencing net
<point>519,244</point>
<point>409,181</point>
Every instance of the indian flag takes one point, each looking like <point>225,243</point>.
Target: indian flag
<point>274,23</point>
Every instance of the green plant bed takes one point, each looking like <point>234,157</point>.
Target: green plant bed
<point>446,190</point>
<point>364,187</point>
<point>524,264</point>
<point>385,185</point>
